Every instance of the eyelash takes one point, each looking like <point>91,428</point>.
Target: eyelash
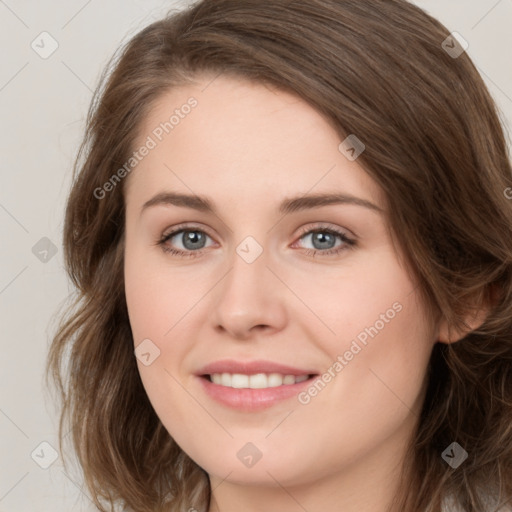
<point>349,243</point>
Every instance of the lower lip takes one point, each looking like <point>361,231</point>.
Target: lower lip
<point>250,400</point>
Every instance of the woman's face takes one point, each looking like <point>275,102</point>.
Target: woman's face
<point>246,297</point>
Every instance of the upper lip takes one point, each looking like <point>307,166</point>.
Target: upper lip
<point>251,367</point>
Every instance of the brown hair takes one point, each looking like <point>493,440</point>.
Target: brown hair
<point>434,143</point>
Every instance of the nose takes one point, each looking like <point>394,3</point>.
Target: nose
<point>249,300</point>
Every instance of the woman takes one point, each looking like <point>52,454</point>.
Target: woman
<point>221,356</point>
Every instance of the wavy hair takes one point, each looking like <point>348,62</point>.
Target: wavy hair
<point>436,146</point>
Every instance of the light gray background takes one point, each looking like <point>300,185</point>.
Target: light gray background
<point>43,105</point>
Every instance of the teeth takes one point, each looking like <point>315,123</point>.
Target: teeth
<point>239,381</point>
<point>257,381</point>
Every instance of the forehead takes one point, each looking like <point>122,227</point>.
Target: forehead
<point>233,138</point>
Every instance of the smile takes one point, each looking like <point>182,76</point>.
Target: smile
<point>254,392</point>
<point>257,381</point>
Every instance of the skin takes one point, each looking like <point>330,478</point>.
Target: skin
<point>247,147</point>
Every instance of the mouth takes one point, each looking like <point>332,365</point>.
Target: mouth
<point>255,381</point>
<point>255,392</point>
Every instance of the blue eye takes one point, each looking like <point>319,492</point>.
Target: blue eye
<point>193,241</point>
<point>325,236</point>
<point>190,237</point>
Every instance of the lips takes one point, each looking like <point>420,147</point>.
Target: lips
<point>252,368</point>
<point>250,399</point>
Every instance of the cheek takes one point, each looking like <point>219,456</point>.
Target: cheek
<point>153,306</point>
<point>381,338</point>
<point>382,360</point>
<point>353,299</point>
<point>160,309</point>
<point>150,299</point>
<point>161,313</point>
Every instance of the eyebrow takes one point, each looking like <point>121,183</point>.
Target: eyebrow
<point>288,205</point>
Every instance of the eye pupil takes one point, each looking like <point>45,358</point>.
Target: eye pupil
<point>321,237</point>
<point>194,237</point>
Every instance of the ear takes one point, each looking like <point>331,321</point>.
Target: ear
<point>474,318</point>
<point>471,322</point>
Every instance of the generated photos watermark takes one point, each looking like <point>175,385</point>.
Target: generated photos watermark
<point>150,143</point>
<point>343,360</point>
